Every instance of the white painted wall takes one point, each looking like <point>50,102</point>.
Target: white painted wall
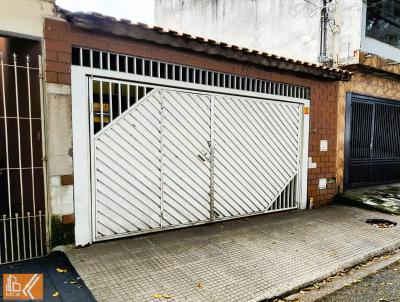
<point>275,26</point>
<point>284,27</point>
<point>24,18</point>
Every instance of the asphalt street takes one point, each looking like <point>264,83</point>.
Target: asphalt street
<point>382,286</point>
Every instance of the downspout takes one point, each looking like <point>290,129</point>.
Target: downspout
<point>323,36</point>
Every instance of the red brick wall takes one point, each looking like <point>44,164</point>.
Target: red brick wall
<point>59,38</point>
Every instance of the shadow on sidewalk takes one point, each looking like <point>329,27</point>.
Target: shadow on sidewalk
<point>63,284</point>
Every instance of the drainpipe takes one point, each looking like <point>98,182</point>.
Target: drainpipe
<point>323,37</point>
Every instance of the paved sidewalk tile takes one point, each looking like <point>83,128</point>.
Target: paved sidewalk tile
<point>247,259</point>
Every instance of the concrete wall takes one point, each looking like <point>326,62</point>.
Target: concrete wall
<point>24,18</point>
<point>254,24</point>
<point>284,27</point>
<point>59,147</point>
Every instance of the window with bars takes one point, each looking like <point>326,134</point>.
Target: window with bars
<point>187,74</point>
<point>111,99</point>
<point>383,21</point>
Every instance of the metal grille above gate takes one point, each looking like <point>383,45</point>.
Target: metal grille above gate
<point>372,141</point>
<point>176,158</point>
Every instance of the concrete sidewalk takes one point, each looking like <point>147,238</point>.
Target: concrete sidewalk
<point>249,259</point>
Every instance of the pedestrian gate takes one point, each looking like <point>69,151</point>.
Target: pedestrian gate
<point>372,141</point>
<point>22,208</point>
<point>165,157</point>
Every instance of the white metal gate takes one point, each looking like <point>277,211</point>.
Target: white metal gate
<point>164,157</point>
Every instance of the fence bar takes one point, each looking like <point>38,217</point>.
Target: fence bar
<point>41,233</point>
<point>19,150</point>
<point>6,147</point>
<point>31,146</point>
<point>5,239</point>
<point>30,234</point>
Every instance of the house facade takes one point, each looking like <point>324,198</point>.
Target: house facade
<point>142,129</point>
<point>360,36</point>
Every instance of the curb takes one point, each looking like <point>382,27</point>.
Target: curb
<point>287,290</point>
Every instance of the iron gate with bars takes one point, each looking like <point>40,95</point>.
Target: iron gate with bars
<point>22,207</point>
<point>372,141</point>
<point>165,157</point>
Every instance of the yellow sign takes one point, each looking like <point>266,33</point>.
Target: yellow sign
<point>97,107</point>
<point>306,110</point>
<point>97,119</point>
<point>23,287</point>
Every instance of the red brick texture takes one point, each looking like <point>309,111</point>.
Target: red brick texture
<point>60,37</point>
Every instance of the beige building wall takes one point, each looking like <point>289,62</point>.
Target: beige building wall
<point>365,84</point>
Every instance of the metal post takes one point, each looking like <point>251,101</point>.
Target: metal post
<point>31,148</point>
<point>44,155</point>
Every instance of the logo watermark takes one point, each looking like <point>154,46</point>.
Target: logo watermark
<point>23,286</point>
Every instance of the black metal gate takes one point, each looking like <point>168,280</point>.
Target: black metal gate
<point>372,146</point>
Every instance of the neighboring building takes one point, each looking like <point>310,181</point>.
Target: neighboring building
<point>361,36</point>
<point>141,129</point>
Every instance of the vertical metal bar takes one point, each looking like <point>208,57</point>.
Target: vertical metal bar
<point>91,58</point>
<point>41,233</point>
<point>134,65</point>
<point>162,159</point>
<point>200,76</point>
<point>211,145</point>
<point>5,238</point>
<point>44,152</point>
<point>126,64</point>
<point>119,99</point>
<point>117,61</point>
<point>80,56</point>
<point>108,61</point>
<point>17,231</point>
<point>101,59</point>
<point>101,104</point>
<point>136,93</point>
<point>29,234</point>
<point>128,96</point>
<point>6,147</point>
<point>31,145</point>
<point>110,102</point>
<point>19,147</point>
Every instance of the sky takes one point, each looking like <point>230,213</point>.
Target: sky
<point>134,10</point>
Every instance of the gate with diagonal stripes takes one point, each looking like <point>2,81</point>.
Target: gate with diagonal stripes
<point>166,157</point>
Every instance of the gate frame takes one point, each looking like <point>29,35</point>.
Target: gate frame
<point>80,86</point>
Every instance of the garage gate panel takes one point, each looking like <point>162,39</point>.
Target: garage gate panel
<point>186,180</point>
<point>127,171</point>
<point>173,158</point>
<point>256,153</point>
